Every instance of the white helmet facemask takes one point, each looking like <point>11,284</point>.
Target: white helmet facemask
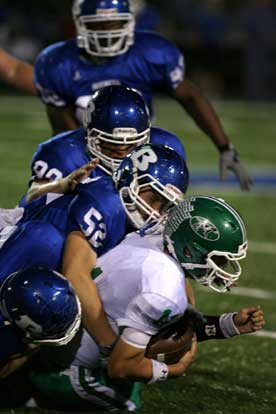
<point>105,43</point>
<point>219,278</point>
<point>140,213</point>
<point>119,136</point>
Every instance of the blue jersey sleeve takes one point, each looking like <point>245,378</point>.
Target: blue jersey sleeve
<point>165,62</point>
<point>86,215</point>
<point>161,136</point>
<point>51,73</point>
<point>60,155</point>
<point>47,164</point>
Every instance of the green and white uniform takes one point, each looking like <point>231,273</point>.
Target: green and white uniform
<point>142,289</point>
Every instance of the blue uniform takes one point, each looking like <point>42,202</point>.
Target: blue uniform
<point>64,77</point>
<point>94,208</point>
<point>62,154</point>
<point>33,244</point>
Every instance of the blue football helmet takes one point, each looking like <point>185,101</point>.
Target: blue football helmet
<point>104,42</point>
<point>42,304</point>
<point>154,167</point>
<point>119,116</point>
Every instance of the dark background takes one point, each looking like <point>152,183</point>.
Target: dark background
<point>229,45</point>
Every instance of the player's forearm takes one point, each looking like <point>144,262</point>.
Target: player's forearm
<point>203,113</point>
<point>62,119</point>
<point>93,315</point>
<point>78,261</point>
<point>8,66</point>
<point>39,188</point>
<point>16,72</point>
<point>146,370</point>
<point>205,117</point>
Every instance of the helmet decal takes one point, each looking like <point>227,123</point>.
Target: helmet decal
<point>143,158</point>
<point>207,237</point>
<point>204,228</point>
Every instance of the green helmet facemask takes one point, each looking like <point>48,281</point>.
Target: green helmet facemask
<point>208,238</point>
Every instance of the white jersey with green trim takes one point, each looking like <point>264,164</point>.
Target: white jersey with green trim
<point>141,287</point>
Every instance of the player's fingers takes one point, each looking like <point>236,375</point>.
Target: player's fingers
<point>92,164</point>
<point>257,314</point>
<point>258,326</point>
<point>223,172</point>
<point>258,321</point>
<point>251,310</point>
<point>243,177</point>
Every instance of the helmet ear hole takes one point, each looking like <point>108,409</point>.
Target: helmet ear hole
<point>187,252</point>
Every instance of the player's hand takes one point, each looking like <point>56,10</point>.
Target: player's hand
<point>70,182</point>
<point>17,361</point>
<point>189,357</point>
<point>230,161</point>
<point>249,320</point>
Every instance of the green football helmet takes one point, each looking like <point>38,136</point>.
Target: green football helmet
<point>208,238</point>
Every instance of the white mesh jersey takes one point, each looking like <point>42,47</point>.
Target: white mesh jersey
<point>141,286</point>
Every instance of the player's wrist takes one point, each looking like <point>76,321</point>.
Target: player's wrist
<point>160,371</point>
<point>62,185</point>
<point>227,325</point>
<point>225,147</point>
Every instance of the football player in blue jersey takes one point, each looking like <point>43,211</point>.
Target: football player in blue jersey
<point>107,51</point>
<point>92,220</point>
<point>25,321</point>
<point>116,120</point>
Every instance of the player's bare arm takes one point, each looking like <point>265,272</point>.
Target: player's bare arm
<point>78,261</point>
<point>62,119</point>
<point>62,185</point>
<point>202,112</point>
<point>204,115</point>
<point>17,72</point>
<point>190,293</point>
<point>128,361</point>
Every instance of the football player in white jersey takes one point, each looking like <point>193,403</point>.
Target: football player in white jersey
<point>142,286</point>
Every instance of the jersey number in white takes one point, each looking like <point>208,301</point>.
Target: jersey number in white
<point>41,171</point>
<point>96,230</point>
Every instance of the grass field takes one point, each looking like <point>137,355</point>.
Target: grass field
<point>233,376</point>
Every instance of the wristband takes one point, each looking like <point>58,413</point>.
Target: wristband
<point>225,147</point>
<point>227,325</point>
<point>216,327</point>
<point>159,371</point>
